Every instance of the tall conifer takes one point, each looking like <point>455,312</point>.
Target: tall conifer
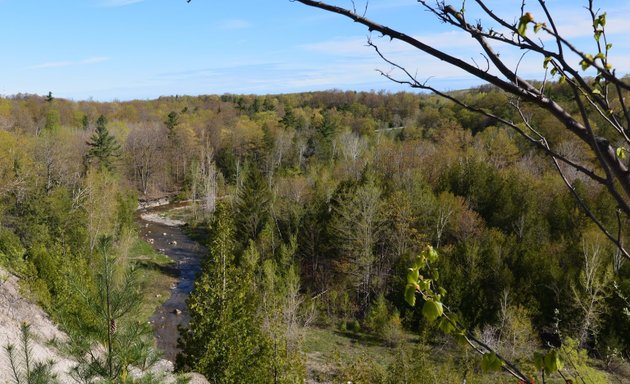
<point>223,340</point>
<point>103,146</point>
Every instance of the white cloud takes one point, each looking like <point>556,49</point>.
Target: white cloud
<point>358,45</point>
<point>61,64</point>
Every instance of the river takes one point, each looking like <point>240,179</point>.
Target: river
<point>168,238</point>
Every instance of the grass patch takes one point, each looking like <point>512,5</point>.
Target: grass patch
<point>327,350</point>
<point>184,214</point>
<point>155,273</point>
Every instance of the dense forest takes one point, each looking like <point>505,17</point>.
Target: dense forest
<point>314,206</point>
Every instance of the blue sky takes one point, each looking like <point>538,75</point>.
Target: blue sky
<point>126,49</point>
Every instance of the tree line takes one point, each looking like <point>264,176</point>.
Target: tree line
<point>316,205</point>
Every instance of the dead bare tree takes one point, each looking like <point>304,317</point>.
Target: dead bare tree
<point>601,97</point>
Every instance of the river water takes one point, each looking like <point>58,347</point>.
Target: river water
<point>188,255</point>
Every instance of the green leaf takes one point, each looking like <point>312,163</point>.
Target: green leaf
<point>424,285</point>
<point>419,261</point>
<point>431,310</point>
<point>446,325</point>
<point>596,92</point>
<point>621,153</point>
<point>413,275</point>
<point>546,62</point>
<point>538,26</point>
<point>609,45</point>
<point>460,337</point>
<point>522,28</point>
<point>601,20</point>
<point>552,361</point>
<point>539,360</point>
<point>522,23</point>
<point>435,274</point>
<point>490,362</point>
<point>410,295</point>
<point>442,291</point>
<point>432,254</point>
<point>586,63</point>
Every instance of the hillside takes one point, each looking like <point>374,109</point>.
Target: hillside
<point>16,310</point>
<point>312,208</point>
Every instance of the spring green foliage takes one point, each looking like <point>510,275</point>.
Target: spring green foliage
<point>548,363</point>
<point>11,250</point>
<point>318,176</point>
<point>53,120</point>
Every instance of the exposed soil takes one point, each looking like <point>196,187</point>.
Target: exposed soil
<point>14,310</point>
<point>167,237</point>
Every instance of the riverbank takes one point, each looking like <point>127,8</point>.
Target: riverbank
<point>166,236</point>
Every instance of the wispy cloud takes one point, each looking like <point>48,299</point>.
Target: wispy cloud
<point>60,64</point>
<point>232,24</point>
<point>358,45</point>
<point>93,60</point>
<point>51,64</point>
<point>118,3</point>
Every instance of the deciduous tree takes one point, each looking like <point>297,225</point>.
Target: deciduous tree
<point>598,115</point>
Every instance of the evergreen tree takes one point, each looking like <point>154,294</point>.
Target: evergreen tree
<point>224,340</point>
<point>172,121</point>
<point>23,368</point>
<point>125,342</point>
<point>85,122</point>
<point>252,206</point>
<point>103,146</point>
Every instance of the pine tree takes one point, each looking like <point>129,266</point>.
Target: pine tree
<point>124,342</point>
<point>23,368</point>
<point>172,121</point>
<point>103,146</point>
<point>223,340</point>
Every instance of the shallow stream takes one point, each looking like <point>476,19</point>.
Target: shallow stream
<point>170,240</point>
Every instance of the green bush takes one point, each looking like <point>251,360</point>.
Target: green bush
<point>354,326</point>
<point>11,250</point>
<point>378,316</point>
